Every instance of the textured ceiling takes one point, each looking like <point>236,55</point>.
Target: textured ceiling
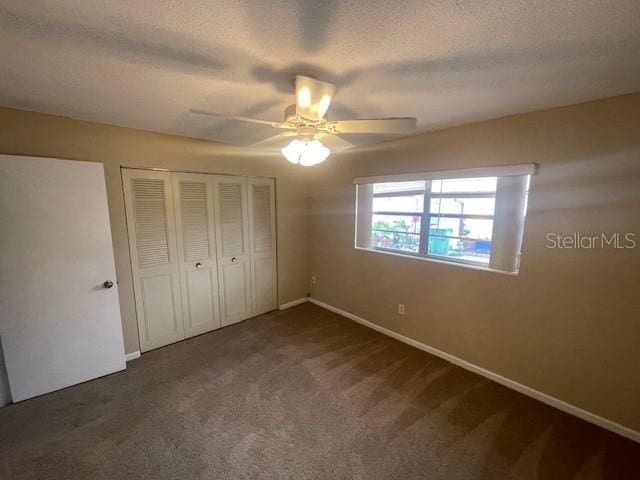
<point>146,63</point>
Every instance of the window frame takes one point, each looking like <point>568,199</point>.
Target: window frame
<point>426,214</point>
<point>425,221</point>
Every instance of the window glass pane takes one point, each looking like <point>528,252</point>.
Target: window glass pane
<point>468,206</point>
<point>479,229</point>
<point>449,227</point>
<point>406,242</point>
<point>412,203</point>
<point>463,250</point>
<point>396,223</point>
<point>462,185</point>
<point>397,186</point>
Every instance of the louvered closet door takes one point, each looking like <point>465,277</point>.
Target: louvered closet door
<point>262,244</point>
<point>234,272</point>
<point>193,200</point>
<point>154,259</point>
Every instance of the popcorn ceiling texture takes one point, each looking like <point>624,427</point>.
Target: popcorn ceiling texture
<point>145,64</point>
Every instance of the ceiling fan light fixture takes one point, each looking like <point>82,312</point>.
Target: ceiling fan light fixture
<point>305,122</point>
<point>305,153</point>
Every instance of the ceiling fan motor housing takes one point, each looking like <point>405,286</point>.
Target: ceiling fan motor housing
<point>306,133</point>
<point>290,114</point>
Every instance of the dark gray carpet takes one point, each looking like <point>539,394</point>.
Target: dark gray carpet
<point>300,394</point>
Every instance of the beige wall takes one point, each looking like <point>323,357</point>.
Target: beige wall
<point>569,324</point>
<point>25,133</point>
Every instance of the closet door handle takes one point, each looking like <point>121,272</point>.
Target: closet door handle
<point>234,259</point>
<point>198,265</point>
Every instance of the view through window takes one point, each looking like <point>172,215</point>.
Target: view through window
<point>461,218</point>
<point>459,213</point>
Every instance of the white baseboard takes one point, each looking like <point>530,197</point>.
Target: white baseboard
<point>131,356</point>
<point>543,397</point>
<point>284,306</point>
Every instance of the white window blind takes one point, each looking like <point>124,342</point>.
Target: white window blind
<point>473,217</point>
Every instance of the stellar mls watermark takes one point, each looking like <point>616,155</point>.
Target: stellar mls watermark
<point>577,240</point>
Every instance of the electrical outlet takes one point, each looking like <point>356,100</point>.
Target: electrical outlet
<point>313,280</point>
<point>401,309</point>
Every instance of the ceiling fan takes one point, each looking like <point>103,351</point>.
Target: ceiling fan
<point>310,137</point>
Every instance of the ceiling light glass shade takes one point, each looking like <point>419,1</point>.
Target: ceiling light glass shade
<point>306,153</point>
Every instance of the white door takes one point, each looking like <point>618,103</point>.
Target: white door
<point>262,244</point>
<point>59,325</point>
<point>195,226</point>
<point>154,257</point>
<point>234,271</point>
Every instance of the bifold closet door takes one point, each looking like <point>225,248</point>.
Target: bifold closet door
<point>154,258</point>
<point>262,244</point>
<point>195,226</point>
<point>232,226</point>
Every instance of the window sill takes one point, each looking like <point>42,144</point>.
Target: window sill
<point>437,260</point>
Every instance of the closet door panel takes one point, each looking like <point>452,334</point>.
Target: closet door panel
<point>196,237</point>
<point>262,228</point>
<point>154,260</point>
<point>199,290</point>
<point>265,291</point>
<point>159,306</point>
<point>234,270</point>
<point>235,297</point>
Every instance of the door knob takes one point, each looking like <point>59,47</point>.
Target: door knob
<point>198,265</point>
<point>234,259</point>
<point>108,284</point>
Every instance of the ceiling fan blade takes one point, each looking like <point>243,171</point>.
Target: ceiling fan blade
<point>312,97</point>
<point>239,118</point>
<point>275,143</point>
<point>375,125</point>
<point>334,142</point>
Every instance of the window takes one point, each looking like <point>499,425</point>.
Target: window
<point>397,215</point>
<point>449,216</point>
